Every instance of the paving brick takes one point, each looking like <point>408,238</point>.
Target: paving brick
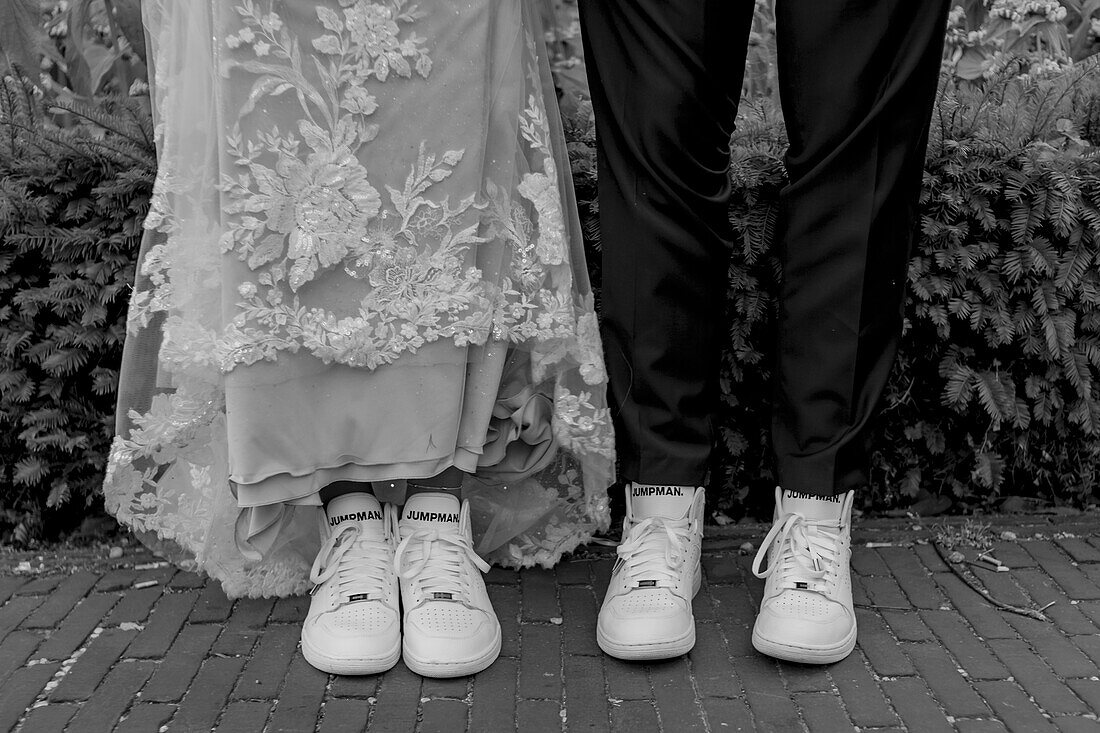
<point>212,606</point>
<point>247,622</point>
<point>1056,564</point>
<point>20,690</point>
<point>736,613</point>
<point>1077,724</point>
<point>398,700</point>
<point>208,693</point>
<point>1079,550</point>
<point>1090,646</point>
<point>506,603</point>
<point>1013,554</point>
<point>702,605</point>
<point>15,649</point>
<point>162,626</point>
<point>1070,620</point>
<point>773,712</point>
<point>719,569</point>
<point>77,626</point>
<point>866,561</point>
<point>146,717</point>
<point>913,577</point>
<point>728,714</point>
<point>987,621</point>
<point>906,625</point>
<point>181,664</point>
<point>184,580</point>
<point>453,687</point>
<point>347,716</point>
<point>930,558</point>
<point>290,610</point>
<point>580,610</point>
<point>538,716</point>
<point>880,647</point>
<point>244,716</point>
<point>968,649</point>
<point>1058,651</point>
<point>502,576</point>
<point>674,695</point>
<point>263,675</point>
<point>1003,586</point>
<point>299,703</point>
<point>1088,690</point>
<point>49,718</point>
<point>585,698</point>
<point>113,696</point>
<point>573,572</point>
<point>715,675</point>
<point>939,671</point>
<point>540,663</point>
<point>627,680</point>
<point>823,711</point>
<point>354,685</point>
<point>444,716</point>
<point>633,716</point>
<point>866,703</point>
<point>41,585</point>
<point>918,710</point>
<point>1091,609</point>
<point>807,678</point>
<point>88,672</point>
<point>761,674</point>
<point>540,595</point>
<point>1012,706</point>
<point>1036,678</point>
<point>134,606</point>
<point>9,586</point>
<point>601,574</point>
<point>15,611</point>
<point>494,697</point>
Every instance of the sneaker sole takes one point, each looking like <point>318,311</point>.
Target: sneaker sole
<point>352,666</point>
<point>461,668</point>
<point>666,649</point>
<point>803,654</point>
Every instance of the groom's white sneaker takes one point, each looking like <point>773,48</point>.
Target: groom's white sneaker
<point>450,627</point>
<point>646,613</point>
<point>806,614</point>
<point>353,625</point>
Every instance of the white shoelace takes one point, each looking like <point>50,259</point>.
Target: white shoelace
<point>360,564</point>
<point>655,549</point>
<point>436,560</point>
<point>806,552</point>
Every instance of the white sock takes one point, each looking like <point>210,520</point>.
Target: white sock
<point>660,500</point>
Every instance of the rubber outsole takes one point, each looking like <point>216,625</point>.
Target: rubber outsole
<point>461,668</point>
<point>345,666</point>
<point>654,650</point>
<point>805,655</point>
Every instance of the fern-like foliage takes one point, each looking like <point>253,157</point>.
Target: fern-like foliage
<point>72,201</point>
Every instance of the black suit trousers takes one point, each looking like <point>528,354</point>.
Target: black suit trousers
<point>857,80</point>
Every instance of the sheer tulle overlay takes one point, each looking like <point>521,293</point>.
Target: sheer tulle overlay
<point>362,262</point>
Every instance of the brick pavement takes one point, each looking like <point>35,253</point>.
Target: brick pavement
<point>86,651</point>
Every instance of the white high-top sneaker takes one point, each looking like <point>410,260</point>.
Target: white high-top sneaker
<point>646,613</point>
<point>353,625</point>
<point>806,614</point>
<point>450,627</point>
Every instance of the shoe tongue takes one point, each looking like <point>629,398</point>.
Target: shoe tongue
<point>361,508</point>
<point>813,506</point>
<point>652,500</point>
<point>431,510</point>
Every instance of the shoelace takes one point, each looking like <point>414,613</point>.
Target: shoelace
<point>806,550</point>
<point>655,549</point>
<point>437,559</point>
<point>360,564</point>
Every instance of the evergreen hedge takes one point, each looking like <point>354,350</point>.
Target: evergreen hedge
<point>996,390</point>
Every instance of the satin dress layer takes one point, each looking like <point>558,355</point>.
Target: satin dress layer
<point>362,262</point>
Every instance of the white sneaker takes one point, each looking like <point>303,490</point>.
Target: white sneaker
<point>450,627</point>
<point>353,625</point>
<point>806,614</point>
<point>646,613</point>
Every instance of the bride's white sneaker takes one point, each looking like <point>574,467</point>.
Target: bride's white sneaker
<point>353,625</point>
<point>806,614</point>
<point>646,613</point>
<point>450,627</point>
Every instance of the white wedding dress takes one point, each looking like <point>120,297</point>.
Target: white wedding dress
<point>362,262</point>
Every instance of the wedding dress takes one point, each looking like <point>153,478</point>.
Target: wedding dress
<point>362,262</point>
